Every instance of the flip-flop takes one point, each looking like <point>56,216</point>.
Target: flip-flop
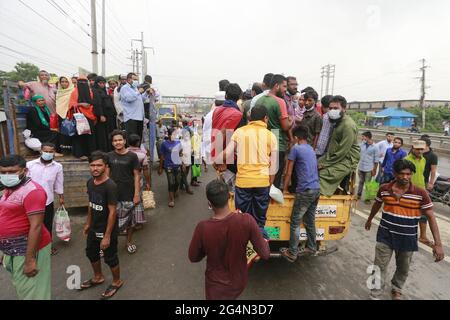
<point>90,284</point>
<point>111,289</point>
<point>131,249</point>
<point>171,204</point>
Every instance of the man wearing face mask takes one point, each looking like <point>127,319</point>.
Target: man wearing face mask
<point>132,100</point>
<point>343,153</point>
<point>311,118</point>
<point>42,88</point>
<point>24,240</point>
<point>49,174</point>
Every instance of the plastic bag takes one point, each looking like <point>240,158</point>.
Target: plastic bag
<point>148,200</point>
<point>371,190</point>
<point>62,224</point>
<point>68,128</point>
<point>82,124</point>
<point>32,143</point>
<point>196,171</point>
<point>276,194</point>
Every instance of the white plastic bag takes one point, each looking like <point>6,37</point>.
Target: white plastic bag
<point>62,224</point>
<point>276,194</point>
<point>32,143</point>
<point>82,124</point>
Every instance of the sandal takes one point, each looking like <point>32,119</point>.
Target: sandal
<point>131,248</point>
<point>110,291</point>
<point>90,284</point>
<point>171,204</point>
<point>286,253</point>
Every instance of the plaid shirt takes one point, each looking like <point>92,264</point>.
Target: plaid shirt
<point>324,137</point>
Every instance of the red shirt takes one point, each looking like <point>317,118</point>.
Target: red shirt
<point>224,242</point>
<point>15,207</point>
<point>227,118</point>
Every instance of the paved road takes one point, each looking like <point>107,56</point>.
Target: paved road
<point>161,270</point>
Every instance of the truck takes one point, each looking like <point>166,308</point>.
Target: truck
<point>332,221</point>
<point>167,113</point>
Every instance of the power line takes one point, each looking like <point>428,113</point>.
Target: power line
<point>66,15</point>
<point>28,46</point>
<point>77,13</point>
<point>82,5</point>
<point>37,13</point>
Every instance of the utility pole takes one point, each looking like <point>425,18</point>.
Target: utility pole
<point>94,37</point>
<point>423,91</point>
<point>137,62</point>
<point>328,72</point>
<point>103,39</point>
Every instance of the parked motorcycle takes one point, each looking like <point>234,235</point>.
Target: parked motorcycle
<point>441,190</point>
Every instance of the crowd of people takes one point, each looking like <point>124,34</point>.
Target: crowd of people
<point>270,137</point>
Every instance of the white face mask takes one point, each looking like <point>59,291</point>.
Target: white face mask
<point>334,114</point>
<point>9,180</point>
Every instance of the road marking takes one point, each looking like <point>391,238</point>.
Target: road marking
<point>376,222</point>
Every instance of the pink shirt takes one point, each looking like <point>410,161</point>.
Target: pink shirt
<point>49,176</point>
<point>47,91</point>
<point>15,207</point>
<point>141,154</point>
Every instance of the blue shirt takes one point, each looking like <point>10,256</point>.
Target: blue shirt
<point>171,152</point>
<point>305,161</point>
<point>390,158</point>
<point>132,103</point>
<point>369,156</point>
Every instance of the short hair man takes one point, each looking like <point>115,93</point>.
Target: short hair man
<point>278,119</point>
<point>256,149</point>
<point>403,203</point>
<point>291,97</point>
<point>384,145</point>
<point>267,80</point>
<point>101,226</point>
<point>343,153</point>
<point>311,118</point>
<point>392,154</point>
<point>368,162</point>
<point>223,239</point>
<point>25,242</point>
<point>49,174</point>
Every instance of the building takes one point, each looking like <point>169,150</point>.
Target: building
<point>365,106</point>
<point>395,117</point>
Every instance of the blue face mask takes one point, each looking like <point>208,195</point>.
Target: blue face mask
<point>47,156</point>
<point>9,180</point>
<point>135,83</point>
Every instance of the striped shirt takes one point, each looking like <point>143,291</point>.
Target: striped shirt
<point>398,227</point>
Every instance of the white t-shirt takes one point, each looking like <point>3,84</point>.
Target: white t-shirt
<point>382,148</point>
<point>187,150</point>
<point>206,135</point>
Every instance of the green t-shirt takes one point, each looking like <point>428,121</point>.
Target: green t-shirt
<point>276,110</point>
<point>418,178</point>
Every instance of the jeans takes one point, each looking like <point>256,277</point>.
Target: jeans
<point>173,178</point>
<point>304,208</point>
<point>364,177</point>
<point>281,164</point>
<point>383,255</point>
<point>254,201</point>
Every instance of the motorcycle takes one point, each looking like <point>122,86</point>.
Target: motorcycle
<point>441,190</point>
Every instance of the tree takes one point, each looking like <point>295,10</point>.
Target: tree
<point>22,71</point>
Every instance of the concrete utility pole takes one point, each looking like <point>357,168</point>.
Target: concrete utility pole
<point>328,72</point>
<point>103,39</point>
<point>423,91</point>
<point>143,54</point>
<point>94,37</point>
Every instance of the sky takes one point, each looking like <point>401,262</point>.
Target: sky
<point>376,45</point>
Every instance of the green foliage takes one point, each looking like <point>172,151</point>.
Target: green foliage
<point>22,71</point>
<point>433,117</point>
<point>358,117</point>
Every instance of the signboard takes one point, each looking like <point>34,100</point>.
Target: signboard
<point>326,211</point>
<point>320,234</point>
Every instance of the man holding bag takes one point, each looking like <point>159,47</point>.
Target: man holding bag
<point>368,162</point>
<point>49,174</point>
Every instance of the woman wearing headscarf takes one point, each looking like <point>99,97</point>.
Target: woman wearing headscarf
<point>65,89</point>
<point>81,101</point>
<point>38,122</point>
<point>106,114</point>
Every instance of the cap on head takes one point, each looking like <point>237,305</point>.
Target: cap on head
<point>419,144</point>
